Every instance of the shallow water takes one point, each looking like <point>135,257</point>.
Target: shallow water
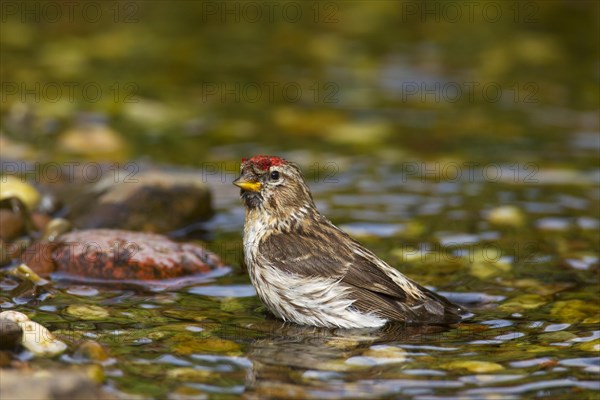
<point>415,172</point>
<point>532,291</point>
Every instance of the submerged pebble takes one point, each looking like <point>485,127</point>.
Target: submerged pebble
<point>91,350</point>
<point>379,355</point>
<point>593,346</point>
<point>211,345</point>
<point>523,302</point>
<point>190,374</point>
<point>509,216</point>
<point>560,336</point>
<point>87,312</point>
<point>572,311</point>
<point>473,366</point>
<point>40,341</point>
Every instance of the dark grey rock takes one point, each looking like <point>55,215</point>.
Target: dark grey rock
<point>151,201</point>
<point>10,334</point>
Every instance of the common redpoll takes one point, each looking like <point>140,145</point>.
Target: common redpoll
<point>308,271</point>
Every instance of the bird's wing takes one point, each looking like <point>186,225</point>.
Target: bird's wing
<point>330,253</point>
<point>308,253</point>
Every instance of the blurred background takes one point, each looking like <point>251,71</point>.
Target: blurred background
<point>459,141</point>
<point>189,82</point>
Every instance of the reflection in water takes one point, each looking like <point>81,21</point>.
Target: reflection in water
<point>328,354</point>
<point>333,363</point>
<point>307,347</point>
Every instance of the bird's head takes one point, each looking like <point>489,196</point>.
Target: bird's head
<point>273,185</point>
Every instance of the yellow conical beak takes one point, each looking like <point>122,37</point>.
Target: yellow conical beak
<point>247,185</point>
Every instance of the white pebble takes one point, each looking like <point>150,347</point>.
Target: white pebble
<point>39,340</point>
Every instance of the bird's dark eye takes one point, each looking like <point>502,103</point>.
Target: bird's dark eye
<point>274,175</point>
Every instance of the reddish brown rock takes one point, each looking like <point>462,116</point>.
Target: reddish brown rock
<point>39,257</point>
<point>117,254</point>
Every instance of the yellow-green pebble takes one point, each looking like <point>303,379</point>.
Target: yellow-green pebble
<point>473,366</point>
<point>574,310</point>
<point>523,302</point>
<point>55,228</point>
<point>561,336</point>
<point>15,187</point>
<point>96,373</point>
<point>92,351</point>
<point>189,374</point>
<point>509,216</point>
<point>384,351</point>
<point>87,311</point>
<point>594,345</point>
<point>211,344</point>
<point>337,366</point>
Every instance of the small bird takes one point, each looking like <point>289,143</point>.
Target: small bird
<point>308,271</point>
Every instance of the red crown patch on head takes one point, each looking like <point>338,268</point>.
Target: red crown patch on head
<point>264,162</point>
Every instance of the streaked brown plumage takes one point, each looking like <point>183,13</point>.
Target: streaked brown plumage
<point>308,271</point>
